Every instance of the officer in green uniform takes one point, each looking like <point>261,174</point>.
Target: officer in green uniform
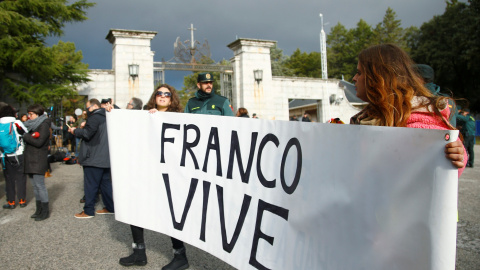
<point>466,120</point>
<point>427,74</point>
<point>206,101</point>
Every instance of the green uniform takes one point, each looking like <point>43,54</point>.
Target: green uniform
<point>211,104</point>
<point>468,131</point>
<point>468,124</point>
<point>204,103</point>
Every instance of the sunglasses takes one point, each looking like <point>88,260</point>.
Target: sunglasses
<point>165,94</point>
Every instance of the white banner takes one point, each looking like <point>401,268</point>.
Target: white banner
<point>263,194</point>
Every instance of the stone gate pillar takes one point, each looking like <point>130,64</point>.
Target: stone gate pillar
<point>250,55</point>
<point>131,47</point>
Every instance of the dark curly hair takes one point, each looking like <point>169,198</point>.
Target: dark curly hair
<point>175,100</point>
<point>37,109</point>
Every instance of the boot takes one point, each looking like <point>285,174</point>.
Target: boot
<point>44,212</point>
<point>179,261</point>
<point>9,205</point>
<point>138,257</point>
<point>38,211</point>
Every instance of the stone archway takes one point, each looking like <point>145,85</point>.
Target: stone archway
<point>267,96</point>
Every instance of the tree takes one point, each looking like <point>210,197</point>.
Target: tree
<point>411,36</point>
<point>389,30</point>
<point>450,44</point>
<point>305,65</point>
<point>278,60</point>
<point>344,47</point>
<point>29,70</point>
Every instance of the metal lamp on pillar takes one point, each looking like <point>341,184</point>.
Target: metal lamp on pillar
<point>133,71</point>
<point>258,75</point>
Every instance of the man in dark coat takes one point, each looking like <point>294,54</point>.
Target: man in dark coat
<point>94,156</point>
<point>305,118</point>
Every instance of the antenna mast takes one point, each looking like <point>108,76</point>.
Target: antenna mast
<point>323,50</point>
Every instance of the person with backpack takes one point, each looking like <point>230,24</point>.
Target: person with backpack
<point>11,153</point>
<point>36,152</point>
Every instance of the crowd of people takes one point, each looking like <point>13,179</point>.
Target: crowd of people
<point>387,80</point>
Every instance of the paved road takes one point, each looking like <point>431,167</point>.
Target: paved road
<point>64,242</point>
<point>468,229</point>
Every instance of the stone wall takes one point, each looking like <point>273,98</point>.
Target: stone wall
<point>319,90</point>
<point>269,98</point>
<point>101,86</point>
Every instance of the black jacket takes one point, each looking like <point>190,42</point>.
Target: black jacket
<point>36,149</point>
<point>94,147</point>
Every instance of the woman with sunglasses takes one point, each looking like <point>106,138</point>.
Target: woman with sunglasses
<point>163,99</point>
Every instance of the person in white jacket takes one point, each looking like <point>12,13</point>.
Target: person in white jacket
<point>13,164</point>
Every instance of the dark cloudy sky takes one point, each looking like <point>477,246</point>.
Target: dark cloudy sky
<point>293,24</point>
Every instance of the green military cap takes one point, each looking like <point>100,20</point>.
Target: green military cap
<point>205,77</point>
<point>426,72</point>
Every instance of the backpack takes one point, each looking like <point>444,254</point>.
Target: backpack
<point>8,138</point>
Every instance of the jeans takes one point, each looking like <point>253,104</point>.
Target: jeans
<point>39,188</point>
<point>95,178</point>
<point>77,146</point>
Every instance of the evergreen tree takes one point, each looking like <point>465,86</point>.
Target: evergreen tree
<point>344,46</point>
<point>278,61</point>
<point>305,65</point>
<point>449,43</point>
<point>337,42</point>
<point>389,30</point>
<point>29,70</point>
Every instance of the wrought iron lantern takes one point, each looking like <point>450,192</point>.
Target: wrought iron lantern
<point>133,70</point>
<point>258,75</point>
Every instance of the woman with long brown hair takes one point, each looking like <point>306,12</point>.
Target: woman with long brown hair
<point>396,96</point>
<point>163,99</point>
